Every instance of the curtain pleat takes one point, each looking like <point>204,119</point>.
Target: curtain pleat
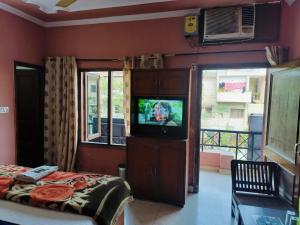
<point>126,93</point>
<point>61,113</point>
<point>153,61</point>
<point>274,55</point>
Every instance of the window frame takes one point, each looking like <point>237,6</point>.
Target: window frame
<point>82,93</point>
<point>87,111</point>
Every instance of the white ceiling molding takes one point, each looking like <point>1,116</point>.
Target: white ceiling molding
<point>113,19</point>
<point>290,2</point>
<point>21,14</point>
<point>49,6</point>
<point>45,6</point>
<point>126,18</point>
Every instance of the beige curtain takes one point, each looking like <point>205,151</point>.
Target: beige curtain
<point>126,92</point>
<point>153,61</point>
<point>275,55</point>
<point>61,112</point>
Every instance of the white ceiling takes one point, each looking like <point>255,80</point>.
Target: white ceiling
<point>49,6</point>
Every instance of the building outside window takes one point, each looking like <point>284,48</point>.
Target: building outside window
<point>232,111</point>
<point>102,119</point>
<point>237,113</point>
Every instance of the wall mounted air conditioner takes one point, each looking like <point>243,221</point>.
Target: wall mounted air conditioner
<point>229,24</point>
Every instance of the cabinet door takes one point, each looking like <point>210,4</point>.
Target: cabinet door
<point>171,171</point>
<point>141,157</point>
<point>144,82</point>
<point>173,82</point>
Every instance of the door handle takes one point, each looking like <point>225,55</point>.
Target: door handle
<point>151,171</point>
<point>296,148</point>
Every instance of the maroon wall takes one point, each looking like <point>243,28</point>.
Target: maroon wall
<point>136,38</point>
<point>290,29</point>
<point>25,41</point>
<point>21,41</point>
<point>93,158</point>
<point>117,40</point>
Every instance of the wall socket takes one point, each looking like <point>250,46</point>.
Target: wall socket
<point>4,109</point>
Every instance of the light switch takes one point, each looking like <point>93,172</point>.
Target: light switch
<point>4,109</point>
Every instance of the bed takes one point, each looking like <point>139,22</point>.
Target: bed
<point>62,198</point>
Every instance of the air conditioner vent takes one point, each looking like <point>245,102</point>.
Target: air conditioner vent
<point>248,16</point>
<point>229,24</point>
<point>222,20</point>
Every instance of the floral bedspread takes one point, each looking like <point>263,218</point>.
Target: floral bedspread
<point>101,197</point>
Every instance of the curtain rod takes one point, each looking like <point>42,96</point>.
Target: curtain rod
<point>87,59</point>
<point>169,55</point>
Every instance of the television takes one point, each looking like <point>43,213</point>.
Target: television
<point>159,116</point>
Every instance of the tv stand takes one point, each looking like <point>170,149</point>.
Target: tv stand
<point>157,169</point>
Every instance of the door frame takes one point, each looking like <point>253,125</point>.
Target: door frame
<point>200,69</point>
<point>42,88</point>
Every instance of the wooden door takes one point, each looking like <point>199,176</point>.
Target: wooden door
<point>284,113</point>
<point>283,126</point>
<point>173,82</point>
<point>29,116</point>
<point>141,160</point>
<point>144,82</point>
<point>297,174</point>
<point>171,171</point>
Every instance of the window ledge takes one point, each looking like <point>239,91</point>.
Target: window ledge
<point>121,147</point>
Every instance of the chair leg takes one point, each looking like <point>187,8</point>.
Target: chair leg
<point>240,220</point>
<point>233,208</point>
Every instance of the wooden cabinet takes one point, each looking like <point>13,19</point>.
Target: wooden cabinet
<point>156,169</point>
<point>164,82</point>
<point>173,82</point>
<point>144,82</point>
<point>171,171</point>
<point>142,170</point>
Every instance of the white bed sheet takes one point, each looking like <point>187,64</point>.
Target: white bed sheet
<point>28,215</point>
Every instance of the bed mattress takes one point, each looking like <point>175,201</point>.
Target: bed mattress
<point>28,215</point>
<point>100,197</point>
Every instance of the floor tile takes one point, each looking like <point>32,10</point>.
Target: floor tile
<point>211,206</point>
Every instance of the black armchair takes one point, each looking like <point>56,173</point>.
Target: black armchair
<point>256,184</point>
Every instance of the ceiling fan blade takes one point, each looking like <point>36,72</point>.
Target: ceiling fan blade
<point>65,3</point>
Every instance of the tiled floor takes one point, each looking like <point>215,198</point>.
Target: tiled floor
<point>211,206</point>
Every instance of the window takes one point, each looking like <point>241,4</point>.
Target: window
<point>237,113</point>
<point>102,110</point>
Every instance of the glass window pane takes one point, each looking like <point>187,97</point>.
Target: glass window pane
<point>97,103</point>
<point>103,95</point>
<point>92,107</point>
<point>117,114</point>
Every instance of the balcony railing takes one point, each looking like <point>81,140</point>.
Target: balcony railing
<point>245,145</point>
<point>117,131</point>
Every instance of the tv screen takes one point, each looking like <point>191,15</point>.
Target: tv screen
<point>160,112</point>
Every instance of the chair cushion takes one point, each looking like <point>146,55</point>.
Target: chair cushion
<point>261,201</point>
